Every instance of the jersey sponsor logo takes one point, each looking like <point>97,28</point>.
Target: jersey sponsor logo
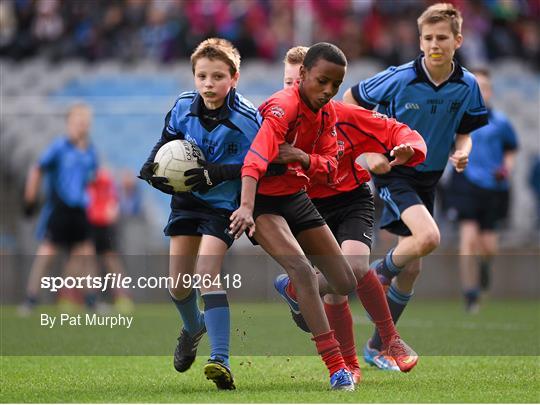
<point>277,111</point>
<point>189,138</point>
<point>340,149</point>
<point>412,106</point>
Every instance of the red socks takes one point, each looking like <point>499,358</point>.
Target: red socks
<point>328,348</point>
<point>373,298</point>
<point>340,319</point>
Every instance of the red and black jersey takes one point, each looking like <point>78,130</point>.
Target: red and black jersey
<point>361,131</point>
<point>286,118</point>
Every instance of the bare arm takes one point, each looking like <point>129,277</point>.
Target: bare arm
<point>33,183</point>
<point>242,218</point>
<point>463,147</point>
<point>509,160</point>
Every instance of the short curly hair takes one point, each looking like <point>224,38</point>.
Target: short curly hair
<point>296,55</point>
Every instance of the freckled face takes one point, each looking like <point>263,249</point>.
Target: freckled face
<point>291,75</point>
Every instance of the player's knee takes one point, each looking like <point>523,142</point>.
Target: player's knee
<point>428,241</point>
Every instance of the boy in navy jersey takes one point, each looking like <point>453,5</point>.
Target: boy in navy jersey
<point>441,100</point>
<point>480,194</point>
<point>69,164</point>
<point>223,124</point>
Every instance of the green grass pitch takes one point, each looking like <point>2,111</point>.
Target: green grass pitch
<point>491,357</point>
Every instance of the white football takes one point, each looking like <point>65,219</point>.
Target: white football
<point>174,159</point>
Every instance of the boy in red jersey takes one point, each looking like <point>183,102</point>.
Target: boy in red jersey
<point>347,207</point>
<point>287,224</point>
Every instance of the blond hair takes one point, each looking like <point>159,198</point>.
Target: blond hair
<point>441,12</point>
<point>220,49</point>
<point>78,107</point>
<point>296,55</point>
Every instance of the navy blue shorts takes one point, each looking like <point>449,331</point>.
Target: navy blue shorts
<point>350,215</point>
<point>190,217</point>
<point>67,226</point>
<point>401,189</point>
<point>486,207</point>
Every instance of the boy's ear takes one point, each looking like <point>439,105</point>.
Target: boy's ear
<point>303,73</point>
<point>459,41</point>
<point>235,78</point>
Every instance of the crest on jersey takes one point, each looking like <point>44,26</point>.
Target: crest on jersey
<point>454,106</point>
<point>340,149</point>
<point>277,111</point>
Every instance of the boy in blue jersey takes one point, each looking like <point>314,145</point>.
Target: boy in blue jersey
<point>69,164</point>
<point>223,124</point>
<point>441,100</point>
<point>481,195</point>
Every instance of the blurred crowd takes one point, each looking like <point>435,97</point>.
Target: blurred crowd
<point>166,30</point>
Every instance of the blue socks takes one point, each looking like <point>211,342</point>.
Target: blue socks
<point>189,311</point>
<point>218,324</point>
<point>397,301</point>
<point>387,268</point>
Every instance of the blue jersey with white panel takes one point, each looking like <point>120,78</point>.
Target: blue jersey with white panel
<point>437,112</point>
<point>225,142</point>
<point>487,156</point>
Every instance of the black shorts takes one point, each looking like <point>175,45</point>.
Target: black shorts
<point>349,215</point>
<point>104,238</point>
<point>402,189</point>
<point>296,209</point>
<point>67,226</point>
<point>191,217</point>
<point>486,207</point>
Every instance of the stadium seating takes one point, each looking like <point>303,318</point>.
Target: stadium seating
<point>130,103</point>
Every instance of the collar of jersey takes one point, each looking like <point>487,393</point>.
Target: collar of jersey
<point>225,110</point>
<point>421,75</point>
